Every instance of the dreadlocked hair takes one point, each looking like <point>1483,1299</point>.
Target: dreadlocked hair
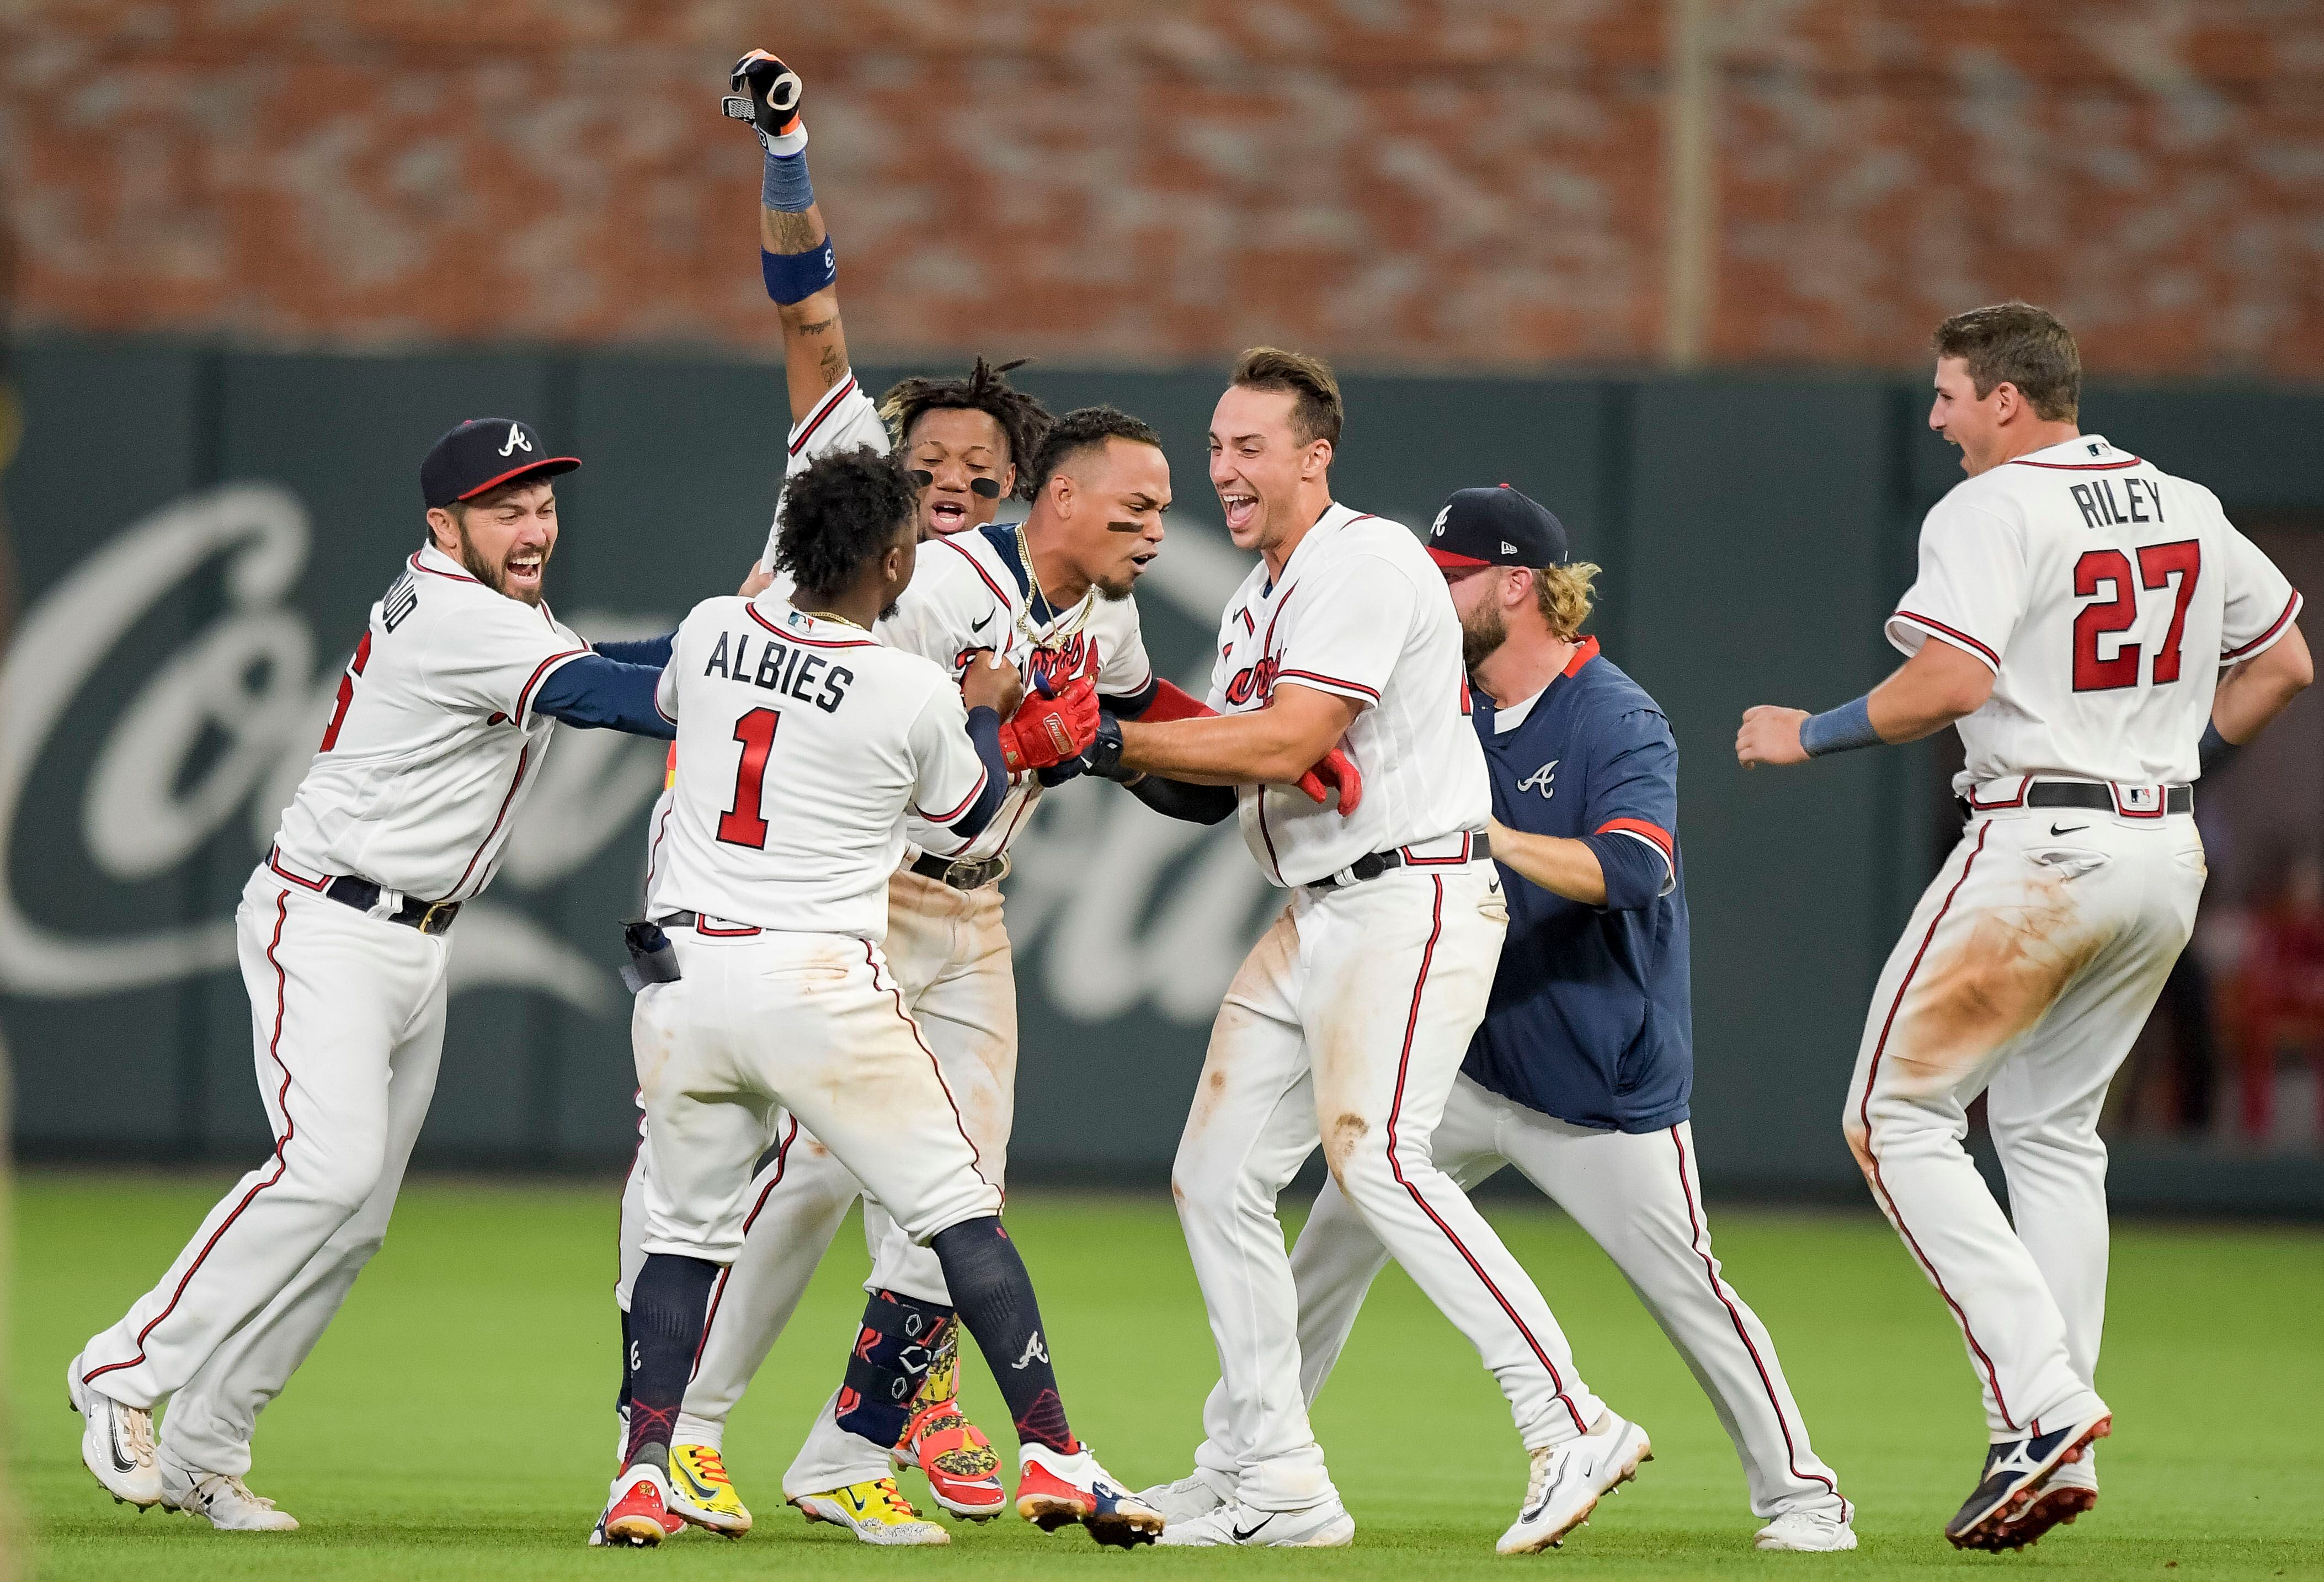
<point>1023,419</point>
<point>841,512</point>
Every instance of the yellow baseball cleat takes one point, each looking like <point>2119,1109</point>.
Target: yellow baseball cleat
<point>963,1469</point>
<point>875,1512</point>
<point>702,1492</point>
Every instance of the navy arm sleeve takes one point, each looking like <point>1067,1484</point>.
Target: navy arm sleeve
<point>653,651</point>
<point>1174,798</point>
<point>1631,811</point>
<point>984,730</point>
<point>594,691</point>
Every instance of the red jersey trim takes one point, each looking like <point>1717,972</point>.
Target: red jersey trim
<point>815,419</point>
<point>966,802</point>
<point>2076,466</point>
<point>2289,610</point>
<point>539,674</point>
<point>1959,638</point>
<point>447,576</point>
<point>1007,604</point>
<point>1654,835</point>
<point>1332,682</point>
<point>1583,652</point>
<point>807,642</point>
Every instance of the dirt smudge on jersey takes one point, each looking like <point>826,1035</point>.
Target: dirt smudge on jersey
<point>1341,1140</point>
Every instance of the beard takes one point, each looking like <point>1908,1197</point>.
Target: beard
<point>1482,633</point>
<point>495,576</point>
<point>1114,592</point>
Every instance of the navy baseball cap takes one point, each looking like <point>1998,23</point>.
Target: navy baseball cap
<point>485,453</point>
<point>1496,527</point>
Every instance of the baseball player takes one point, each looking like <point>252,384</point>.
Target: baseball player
<point>1579,1073</point>
<point>1348,1022</point>
<point>803,742</point>
<point>2076,611</point>
<point>443,718</point>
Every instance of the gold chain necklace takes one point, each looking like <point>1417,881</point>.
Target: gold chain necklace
<point>1025,553</point>
<point>830,616</point>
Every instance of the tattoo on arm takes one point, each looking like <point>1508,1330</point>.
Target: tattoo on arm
<point>819,327</point>
<point>792,233</point>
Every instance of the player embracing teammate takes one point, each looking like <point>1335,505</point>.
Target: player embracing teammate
<point>2097,629</point>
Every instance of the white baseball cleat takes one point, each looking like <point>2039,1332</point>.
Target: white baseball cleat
<point>116,1444</point>
<point>1807,1532</point>
<point>1325,1525</point>
<point>1568,1480</point>
<point>1194,1494</point>
<point>1055,1489</point>
<point>222,1499</point>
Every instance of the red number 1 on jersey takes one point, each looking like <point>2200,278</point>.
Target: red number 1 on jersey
<point>742,824</point>
<point>2157,565</point>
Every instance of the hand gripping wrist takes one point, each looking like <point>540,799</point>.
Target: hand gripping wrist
<point>1047,731</point>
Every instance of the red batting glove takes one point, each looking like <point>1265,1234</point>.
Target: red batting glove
<point>1047,731</point>
<point>1335,769</point>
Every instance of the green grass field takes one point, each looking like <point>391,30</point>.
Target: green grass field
<point>455,1422</point>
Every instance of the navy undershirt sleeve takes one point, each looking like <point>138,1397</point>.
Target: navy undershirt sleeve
<point>594,691</point>
<point>1176,798</point>
<point>652,652</point>
<point>1634,872</point>
<point>984,730</point>
<point>1632,807</point>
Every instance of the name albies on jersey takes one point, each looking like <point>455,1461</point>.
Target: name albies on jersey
<point>434,742</point>
<point>2107,595</point>
<point>802,742</point>
<point>1359,611</point>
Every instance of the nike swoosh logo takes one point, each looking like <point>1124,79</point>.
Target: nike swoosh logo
<point>696,1488</point>
<point>2069,830</point>
<point>980,625</point>
<point>1243,1537</point>
<point>1534,1512</point>
<point>121,1463</point>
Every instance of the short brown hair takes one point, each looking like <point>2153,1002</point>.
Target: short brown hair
<point>2019,344</point>
<point>1315,408</point>
<point>1565,595</point>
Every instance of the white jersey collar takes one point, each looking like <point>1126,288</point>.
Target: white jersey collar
<point>2082,453</point>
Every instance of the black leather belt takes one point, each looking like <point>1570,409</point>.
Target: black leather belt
<point>959,875</point>
<point>2096,796</point>
<point>429,916</point>
<point>1382,862</point>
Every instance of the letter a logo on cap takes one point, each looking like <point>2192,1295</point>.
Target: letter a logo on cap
<point>516,440</point>
<point>1437,529</point>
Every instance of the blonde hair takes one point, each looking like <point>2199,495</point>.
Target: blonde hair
<point>1565,595</point>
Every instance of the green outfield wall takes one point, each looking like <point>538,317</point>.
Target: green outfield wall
<point>199,532</point>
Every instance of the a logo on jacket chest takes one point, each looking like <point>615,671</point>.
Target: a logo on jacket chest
<point>1056,663</point>
<point>1543,780</point>
<point>1254,681</point>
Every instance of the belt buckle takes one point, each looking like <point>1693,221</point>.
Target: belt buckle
<point>427,923</point>
<point>966,875</point>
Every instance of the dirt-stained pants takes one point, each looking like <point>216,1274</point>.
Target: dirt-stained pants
<point>2028,968</point>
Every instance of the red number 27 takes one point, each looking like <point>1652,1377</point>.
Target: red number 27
<point>2158,564</point>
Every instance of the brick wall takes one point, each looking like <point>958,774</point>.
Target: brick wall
<point>1425,183</point>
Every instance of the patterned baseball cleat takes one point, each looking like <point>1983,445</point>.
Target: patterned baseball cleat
<point>1196,1495</point>
<point>1055,1489</point>
<point>2072,1489</point>
<point>1325,1525</point>
<point>701,1491</point>
<point>2015,1471</point>
<point>874,1511</point>
<point>1568,1480</point>
<point>637,1514</point>
<point>1807,1532</point>
<point>116,1443</point>
<point>221,1499</point>
<point>963,1468</point>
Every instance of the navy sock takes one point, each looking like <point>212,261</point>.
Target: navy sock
<point>892,1355</point>
<point>668,1306</point>
<point>621,1398</point>
<point>994,1296</point>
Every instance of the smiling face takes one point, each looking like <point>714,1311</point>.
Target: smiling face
<point>1108,501</point>
<point>1962,417</point>
<point>964,454</point>
<point>504,537</point>
<point>1259,466</point>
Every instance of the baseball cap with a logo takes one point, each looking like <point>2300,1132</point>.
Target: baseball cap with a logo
<point>485,453</point>
<point>1496,527</point>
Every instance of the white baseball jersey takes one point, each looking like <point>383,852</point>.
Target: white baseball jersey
<point>972,590</point>
<point>845,419</point>
<point>2107,595</point>
<point>434,742</point>
<point>1359,611</point>
<point>802,742</point>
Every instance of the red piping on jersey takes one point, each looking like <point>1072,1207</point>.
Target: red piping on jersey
<point>1863,1116</point>
<point>1395,1166</point>
<point>782,1162</point>
<point>447,575</point>
<point>1583,652</point>
<point>1007,604</point>
<point>274,852</point>
<point>524,697</point>
<point>2076,466</point>
<point>872,957</point>
<point>2161,802</point>
<point>815,419</point>
<point>752,611</point>
<point>1941,629</point>
<point>1726,1300</point>
<point>653,852</point>
<point>2024,785</point>
<point>521,759</point>
<point>281,1143</point>
<point>1333,681</point>
<point>982,775</point>
<point>1654,834</point>
<point>1468,849</point>
<point>2289,610</point>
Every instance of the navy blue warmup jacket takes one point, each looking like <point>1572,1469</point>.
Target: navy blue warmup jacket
<point>1590,1019</point>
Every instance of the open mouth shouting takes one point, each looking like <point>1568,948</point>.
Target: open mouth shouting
<point>1242,510</point>
<point>947,516</point>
